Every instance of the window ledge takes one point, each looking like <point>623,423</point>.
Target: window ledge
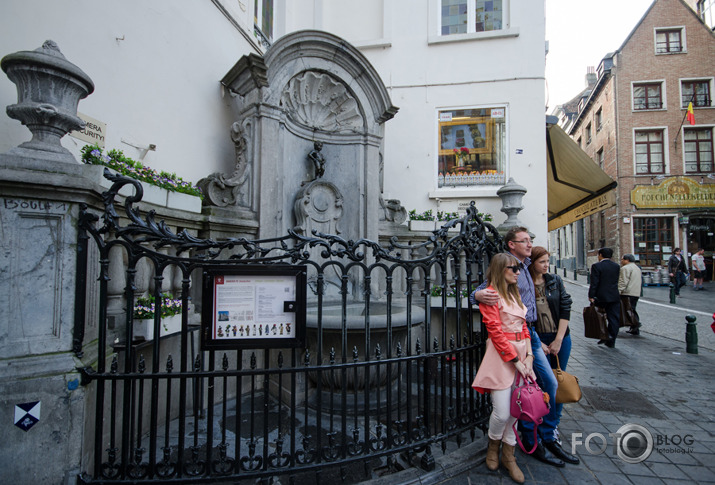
<point>670,53</point>
<point>493,34</point>
<point>464,192</point>
<point>649,110</point>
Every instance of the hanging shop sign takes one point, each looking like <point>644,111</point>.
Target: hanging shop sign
<point>674,193</point>
<point>254,307</point>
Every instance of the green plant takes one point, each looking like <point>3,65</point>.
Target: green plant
<point>436,291</point>
<point>115,159</point>
<point>145,307</point>
<point>485,217</point>
<point>447,216</point>
<point>424,216</point>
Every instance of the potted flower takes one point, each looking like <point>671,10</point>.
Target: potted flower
<point>145,310</point>
<point>423,221</point>
<point>160,188</point>
<point>460,154</point>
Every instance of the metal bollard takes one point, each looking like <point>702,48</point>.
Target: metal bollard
<point>672,293</point>
<point>564,271</point>
<point>691,335</point>
<point>588,277</point>
<point>575,278</point>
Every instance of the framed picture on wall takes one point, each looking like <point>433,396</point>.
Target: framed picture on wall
<point>474,134</point>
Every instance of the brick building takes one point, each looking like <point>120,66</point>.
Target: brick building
<point>634,123</point>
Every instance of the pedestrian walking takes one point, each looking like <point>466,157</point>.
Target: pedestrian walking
<point>698,269</point>
<point>678,270</point>
<point>629,287</point>
<point>553,309</point>
<point>519,245</point>
<point>508,351</point>
<point>604,292</point>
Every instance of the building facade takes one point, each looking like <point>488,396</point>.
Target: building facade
<point>636,124</point>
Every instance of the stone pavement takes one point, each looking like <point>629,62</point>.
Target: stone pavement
<point>647,388</point>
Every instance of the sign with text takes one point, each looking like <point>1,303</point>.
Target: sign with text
<point>254,307</point>
<point>674,193</point>
<point>93,132</point>
<point>593,206</point>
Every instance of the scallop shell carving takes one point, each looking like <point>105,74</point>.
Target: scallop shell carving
<point>318,101</point>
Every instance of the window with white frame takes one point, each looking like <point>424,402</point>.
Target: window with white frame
<point>650,155</point>
<point>698,150</point>
<point>648,95</point>
<point>467,16</point>
<point>263,21</point>
<point>472,147</point>
<point>696,91</point>
<point>669,40</point>
<point>706,9</point>
<point>599,119</point>
<point>588,134</point>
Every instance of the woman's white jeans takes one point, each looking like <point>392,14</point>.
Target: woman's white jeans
<point>501,420</point>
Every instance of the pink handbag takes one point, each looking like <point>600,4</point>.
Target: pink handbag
<point>528,403</point>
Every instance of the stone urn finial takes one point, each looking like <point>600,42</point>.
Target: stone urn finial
<point>49,88</point>
<point>511,195</point>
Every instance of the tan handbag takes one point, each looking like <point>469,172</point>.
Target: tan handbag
<point>569,389</point>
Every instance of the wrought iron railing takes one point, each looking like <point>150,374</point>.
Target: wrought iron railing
<point>388,389</point>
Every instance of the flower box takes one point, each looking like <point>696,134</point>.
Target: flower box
<point>145,327</point>
<point>187,202</point>
<point>422,225</point>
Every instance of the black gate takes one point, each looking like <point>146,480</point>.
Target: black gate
<point>385,375</point>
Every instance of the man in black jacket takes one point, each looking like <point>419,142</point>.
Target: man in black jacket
<point>604,292</point>
<point>678,270</point>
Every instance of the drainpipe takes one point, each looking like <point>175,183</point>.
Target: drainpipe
<point>619,220</point>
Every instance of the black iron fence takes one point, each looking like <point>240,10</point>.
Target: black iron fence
<point>384,376</point>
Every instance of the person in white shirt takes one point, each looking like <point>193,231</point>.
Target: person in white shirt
<point>698,269</point>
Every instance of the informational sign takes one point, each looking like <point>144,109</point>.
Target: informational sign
<point>93,132</point>
<point>254,307</point>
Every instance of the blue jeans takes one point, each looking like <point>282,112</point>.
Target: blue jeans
<point>554,416</point>
<point>547,381</point>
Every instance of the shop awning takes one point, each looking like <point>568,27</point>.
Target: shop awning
<point>577,187</point>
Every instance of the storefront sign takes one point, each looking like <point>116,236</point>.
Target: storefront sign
<point>254,307</point>
<point>591,207</point>
<point>674,193</point>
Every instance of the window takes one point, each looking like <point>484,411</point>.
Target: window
<point>263,21</point>
<point>647,96</point>
<point>472,147</point>
<point>599,119</point>
<point>599,158</point>
<point>706,9</point>
<point>649,152</point>
<point>650,236</point>
<point>668,41</point>
<point>698,149</point>
<point>466,16</point>
<point>588,134</point>
<point>579,142</point>
<point>695,91</point>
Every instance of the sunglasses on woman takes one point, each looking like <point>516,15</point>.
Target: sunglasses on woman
<point>514,268</point>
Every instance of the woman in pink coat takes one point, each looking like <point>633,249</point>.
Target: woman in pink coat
<point>508,350</point>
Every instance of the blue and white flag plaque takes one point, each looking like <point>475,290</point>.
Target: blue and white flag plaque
<point>27,415</point>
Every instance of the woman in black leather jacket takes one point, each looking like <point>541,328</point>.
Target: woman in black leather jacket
<point>553,308</point>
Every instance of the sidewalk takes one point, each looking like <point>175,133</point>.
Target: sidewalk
<point>648,381</point>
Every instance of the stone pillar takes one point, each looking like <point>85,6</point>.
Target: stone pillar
<point>511,195</point>
<point>39,382</point>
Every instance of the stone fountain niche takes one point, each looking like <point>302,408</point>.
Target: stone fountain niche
<point>309,142</point>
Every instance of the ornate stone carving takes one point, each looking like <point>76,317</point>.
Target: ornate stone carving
<point>318,101</point>
<point>318,205</point>
<point>235,189</point>
<point>49,88</point>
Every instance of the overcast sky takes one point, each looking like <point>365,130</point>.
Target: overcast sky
<point>580,33</point>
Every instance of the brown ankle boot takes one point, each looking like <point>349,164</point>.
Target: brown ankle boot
<point>493,454</point>
<point>509,462</point>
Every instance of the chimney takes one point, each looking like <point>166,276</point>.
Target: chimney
<point>590,76</point>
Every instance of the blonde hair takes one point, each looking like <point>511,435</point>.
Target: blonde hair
<point>495,277</point>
